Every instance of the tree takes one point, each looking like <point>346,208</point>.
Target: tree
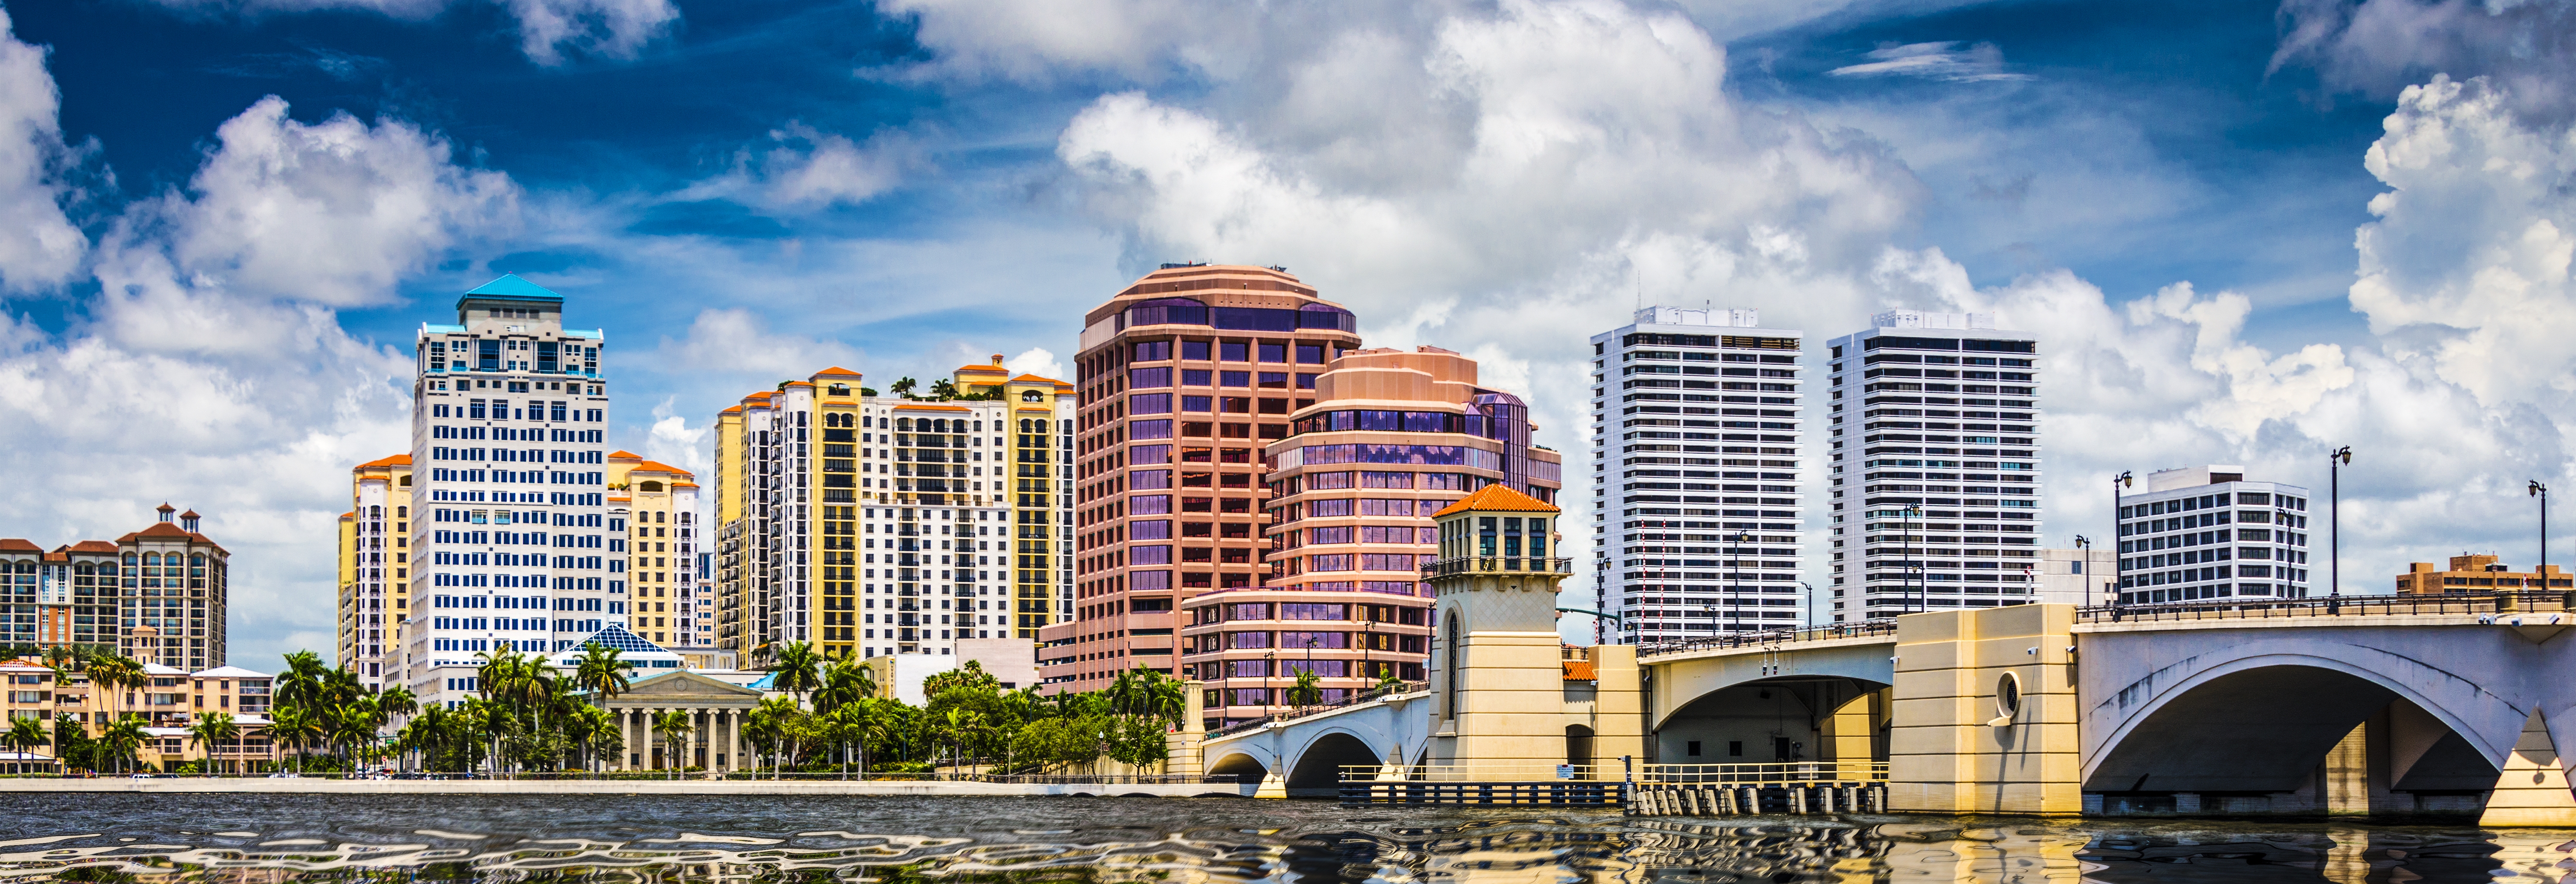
<point>902,387</point>
<point>1307,691</point>
<point>600,673</point>
<point>672,725</point>
<point>943,389</point>
<point>211,730</point>
<point>768,726</point>
<point>122,738</point>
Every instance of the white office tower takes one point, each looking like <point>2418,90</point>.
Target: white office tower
<point>514,545</point>
<point>1935,477</point>
<point>2206,533</point>
<point>1695,443</point>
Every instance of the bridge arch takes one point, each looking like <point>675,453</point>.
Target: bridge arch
<point>1318,764</point>
<point>1781,718</point>
<point>2264,723</point>
<point>1242,764</point>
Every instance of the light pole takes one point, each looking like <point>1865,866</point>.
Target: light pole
<point>2084,557</point>
<point>2334,520</point>
<point>1741,538</point>
<point>1809,620</point>
<point>2119,548</point>
<point>2542,491</point>
<point>1913,567</point>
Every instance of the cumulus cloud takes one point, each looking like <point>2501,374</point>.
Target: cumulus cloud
<point>1039,40</point>
<point>1933,61</point>
<point>332,213</point>
<point>736,343</point>
<point>2380,47</point>
<point>1038,361</point>
<point>210,369</point>
<point>39,247</point>
<point>806,169</point>
<point>549,30</point>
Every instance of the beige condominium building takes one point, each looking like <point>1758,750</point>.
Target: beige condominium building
<point>1391,438</point>
<point>2472,573</point>
<point>1185,375</point>
<point>157,595</point>
<point>375,570</point>
<point>658,505</point>
<point>872,524</point>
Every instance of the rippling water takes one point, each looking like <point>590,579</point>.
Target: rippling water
<point>708,840</point>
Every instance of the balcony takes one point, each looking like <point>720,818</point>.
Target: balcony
<point>1497,565</point>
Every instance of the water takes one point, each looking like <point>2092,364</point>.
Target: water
<point>712,840</point>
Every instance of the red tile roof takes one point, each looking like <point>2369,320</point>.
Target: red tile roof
<point>837,371</point>
<point>12,544</point>
<point>1580,670</point>
<point>1498,498</point>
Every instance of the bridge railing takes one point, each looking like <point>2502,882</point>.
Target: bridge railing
<point>1781,773</point>
<point>1404,687</point>
<point>1487,772</point>
<point>1751,639</point>
<point>2496,604</point>
<point>1497,565</point>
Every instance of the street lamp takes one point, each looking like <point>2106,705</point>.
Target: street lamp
<point>2542,491</point>
<point>2083,557</point>
<point>1741,538</point>
<point>1810,619</point>
<point>2334,519</point>
<point>2119,548</point>
<point>1913,566</point>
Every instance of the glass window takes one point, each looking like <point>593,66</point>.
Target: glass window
<point>1234,351</point>
<point>1194,350</point>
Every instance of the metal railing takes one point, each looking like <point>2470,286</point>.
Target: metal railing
<point>1486,772</point>
<point>699,776</point>
<point>1759,638</point>
<point>1320,708</point>
<point>2551,603</point>
<point>1498,565</point>
<point>1780,773</point>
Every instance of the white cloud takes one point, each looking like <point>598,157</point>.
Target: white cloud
<point>673,441</point>
<point>806,169</point>
<point>2382,46</point>
<point>39,247</point>
<point>548,29</point>
<point>1933,61</point>
<point>1038,361</point>
<point>735,343</point>
<point>333,213</point>
<point>1038,40</point>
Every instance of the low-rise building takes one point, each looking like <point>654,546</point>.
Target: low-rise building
<point>2206,533</point>
<point>1012,662</point>
<point>2474,573</point>
<point>2076,576</point>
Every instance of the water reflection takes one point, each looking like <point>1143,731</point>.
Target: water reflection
<point>659,840</point>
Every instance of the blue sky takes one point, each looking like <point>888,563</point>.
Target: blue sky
<point>238,209</point>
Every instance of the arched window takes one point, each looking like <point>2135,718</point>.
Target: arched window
<point>151,559</point>
<point>652,486</point>
<point>1042,424</point>
<point>840,389</point>
<point>84,569</point>
<point>197,561</point>
<point>26,566</point>
<point>1449,660</point>
<point>1024,425</point>
<point>903,423</point>
<point>1032,396</point>
<point>940,425</point>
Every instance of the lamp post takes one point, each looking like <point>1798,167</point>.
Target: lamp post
<point>2119,548</point>
<point>1913,566</point>
<point>1269,668</point>
<point>2334,520</point>
<point>1810,619</point>
<point>1741,538</point>
<point>2083,557</point>
<point>2542,491</point>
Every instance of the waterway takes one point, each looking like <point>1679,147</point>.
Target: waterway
<point>279,839</point>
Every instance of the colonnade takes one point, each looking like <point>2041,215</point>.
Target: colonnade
<point>714,730</point>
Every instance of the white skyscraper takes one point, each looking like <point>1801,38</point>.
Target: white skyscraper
<point>1935,477</point>
<point>513,543</point>
<point>1695,443</point>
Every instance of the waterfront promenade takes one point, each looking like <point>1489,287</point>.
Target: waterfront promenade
<point>811,786</point>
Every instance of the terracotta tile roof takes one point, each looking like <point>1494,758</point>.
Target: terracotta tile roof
<point>837,371</point>
<point>161,529</point>
<point>1498,498</point>
<point>58,556</point>
<point>12,544</point>
<point>191,514</point>
<point>684,484</point>
<point>655,466</point>
<point>733,410</point>
<point>1580,670</point>
<point>1034,379</point>
<point>94,546</point>
<point>399,460</point>
<point>624,455</point>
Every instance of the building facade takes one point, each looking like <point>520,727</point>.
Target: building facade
<point>870,525</point>
<point>1698,503</point>
<point>2479,574</point>
<point>659,504</point>
<point>2083,577</point>
<point>1392,437</point>
<point>1935,465</point>
<point>1185,375</point>
<point>158,595</point>
<point>2206,533</point>
<point>513,542</point>
<point>375,570</point>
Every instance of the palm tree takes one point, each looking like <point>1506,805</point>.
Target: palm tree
<point>768,724</point>
<point>1306,692</point>
<point>600,672</point>
<point>589,727</point>
<point>796,672</point>
<point>25,734</point>
<point>295,726</point>
<point>123,738</point>
<point>672,725</point>
<point>211,730</point>
<point>108,676</point>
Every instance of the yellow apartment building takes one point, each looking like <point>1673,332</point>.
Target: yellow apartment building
<point>375,570</point>
<point>660,504</point>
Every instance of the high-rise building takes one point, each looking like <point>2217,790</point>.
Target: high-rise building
<point>871,525</point>
<point>375,570</point>
<point>159,595</point>
<point>1184,375</point>
<point>1392,437</point>
<point>1936,465</point>
<point>659,503</point>
<point>1697,503</point>
<point>513,545</point>
<point>2206,533</point>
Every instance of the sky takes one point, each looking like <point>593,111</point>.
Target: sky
<point>2245,234</point>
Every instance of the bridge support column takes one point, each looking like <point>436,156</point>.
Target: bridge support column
<point>1985,713</point>
<point>1181,748</point>
<point>2532,791</point>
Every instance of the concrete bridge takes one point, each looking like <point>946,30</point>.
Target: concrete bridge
<point>2372,705</point>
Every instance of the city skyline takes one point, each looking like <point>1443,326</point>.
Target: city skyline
<point>2251,244</point>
